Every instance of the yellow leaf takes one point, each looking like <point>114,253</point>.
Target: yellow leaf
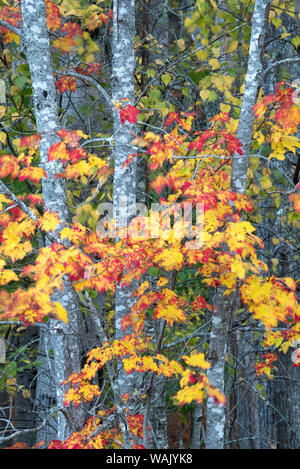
<point>166,78</point>
<point>274,263</point>
<point>215,64</point>
<point>204,94</point>
<point>2,111</point>
<point>7,276</point>
<point>49,221</point>
<point>284,35</point>
<point>201,54</point>
<point>3,199</point>
<point>181,44</point>
<point>196,359</point>
<point>266,182</point>
<point>225,107</point>
<point>218,82</point>
<point>142,288</point>
<point>162,281</point>
<point>232,46</point>
<point>170,259</point>
<point>11,384</point>
<point>61,313</point>
<point>26,393</point>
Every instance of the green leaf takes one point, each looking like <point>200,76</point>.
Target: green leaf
<point>296,41</point>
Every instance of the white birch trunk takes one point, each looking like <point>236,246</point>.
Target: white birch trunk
<point>123,66</point>
<point>216,415</point>
<point>64,338</point>
<point>252,85</point>
<point>218,337</point>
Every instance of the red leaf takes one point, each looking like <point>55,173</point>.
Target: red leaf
<point>9,166</point>
<point>31,141</point>
<point>129,113</point>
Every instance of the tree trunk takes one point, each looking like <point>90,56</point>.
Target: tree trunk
<point>123,66</point>
<point>218,342</point>
<point>215,415</point>
<point>65,339</point>
<point>251,89</point>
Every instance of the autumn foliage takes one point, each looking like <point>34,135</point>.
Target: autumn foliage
<point>226,258</point>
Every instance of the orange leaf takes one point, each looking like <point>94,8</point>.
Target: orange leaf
<point>49,221</point>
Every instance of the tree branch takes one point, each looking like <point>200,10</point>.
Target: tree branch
<point>5,190</point>
<point>276,64</point>
<point>9,26</point>
<point>93,82</point>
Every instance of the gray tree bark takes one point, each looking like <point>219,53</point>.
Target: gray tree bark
<point>65,339</point>
<point>216,415</point>
<point>252,85</point>
<point>218,337</point>
<point>122,82</point>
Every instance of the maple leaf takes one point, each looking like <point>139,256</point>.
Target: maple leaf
<point>76,234</point>
<point>189,394</point>
<point>171,180</point>
<point>7,276</point>
<point>80,169</point>
<point>32,173</point>
<point>170,259</point>
<point>129,113</point>
<point>11,15</point>
<point>160,152</point>
<point>53,16</point>
<point>4,199</point>
<point>135,424</point>
<point>172,117</point>
<point>83,392</point>
<point>58,151</point>
<point>94,67</point>
<point>267,366</point>
<point>162,281</point>
<point>64,44</point>
<point>60,313</point>
<point>170,313</point>
<point>199,303</point>
<point>158,184</point>
<point>49,221</point>
<point>65,83</point>
<point>9,166</point>
<point>71,139</point>
<point>17,445</point>
<point>35,199</point>
<point>31,141</point>
<point>197,360</point>
<point>142,288</point>
<point>295,198</point>
<point>76,154</point>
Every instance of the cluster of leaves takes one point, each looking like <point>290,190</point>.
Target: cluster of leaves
<point>227,256</point>
<point>186,167</point>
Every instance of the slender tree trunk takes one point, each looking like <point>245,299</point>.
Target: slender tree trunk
<point>154,22</point>
<point>239,178</point>
<point>123,66</point>
<point>215,415</point>
<point>252,85</point>
<point>218,336</point>
<point>64,338</point>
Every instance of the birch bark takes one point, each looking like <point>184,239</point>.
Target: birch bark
<point>252,85</point>
<point>64,339</point>
<point>124,196</point>
<point>218,338</point>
